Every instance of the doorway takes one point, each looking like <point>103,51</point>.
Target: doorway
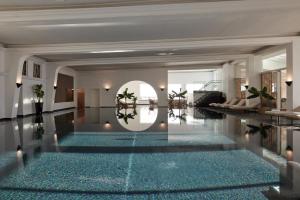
<point>80,99</point>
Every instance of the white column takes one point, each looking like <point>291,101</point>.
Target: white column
<point>2,83</point>
<point>13,70</point>
<point>51,70</point>
<point>293,74</point>
<point>228,80</point>
<point>254,69</point>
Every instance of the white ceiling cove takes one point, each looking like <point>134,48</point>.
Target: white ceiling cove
<point>53,24</point>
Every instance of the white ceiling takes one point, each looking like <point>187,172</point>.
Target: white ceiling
<point>51,4</point>
<point>260,20</point>
<point>170,52</point>
<point>275,62</point>
<point>38,22</point>
<point>129,66</point>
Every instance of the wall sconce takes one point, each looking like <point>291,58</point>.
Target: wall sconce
<point>289,83</point>
<point>162,88</point>
<point>107,88</point>
<point>246,86</point>
<point>19,85</point>
<point>55,87</point>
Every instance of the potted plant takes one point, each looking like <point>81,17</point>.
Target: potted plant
<point>180,95</point>
<point>39,94</point>
<point>125,95</point>
<point>262,94</point>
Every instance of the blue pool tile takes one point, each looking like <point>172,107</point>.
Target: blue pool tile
<point>235,174</point>
<point>200,171</point>
<point>142,139</point>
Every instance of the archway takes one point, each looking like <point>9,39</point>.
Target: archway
<point>138,111</point>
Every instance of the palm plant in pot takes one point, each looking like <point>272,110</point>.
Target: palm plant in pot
<point>263,95</point>
<point>125,95</point>
<point>39,94</point>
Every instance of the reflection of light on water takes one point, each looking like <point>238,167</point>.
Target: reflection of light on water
<point>247,137</point>
<point>55,138</point>
<point>276,188</point>
<point>27,126</point>
<point>168,165</point>
<point>19,152</point>
<point>107,180</point>
<point>142,118</point>
<point>289,153</point>
<point>162,125</point>
<point>147,116</point>
<point>107,125</point>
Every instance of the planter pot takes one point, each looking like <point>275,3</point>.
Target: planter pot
<point>38,108</point>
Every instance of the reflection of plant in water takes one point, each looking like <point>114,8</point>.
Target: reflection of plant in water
<point>180,116</point>
<point>38,134</point>
<point>262,129</point>
<point>125,116</point>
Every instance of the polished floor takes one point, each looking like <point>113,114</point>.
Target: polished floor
<point>149,153</point>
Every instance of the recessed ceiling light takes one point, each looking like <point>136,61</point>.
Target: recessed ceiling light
<point>191,63</point>
<point>71,25</point>
<point>165,54</point>
<point>112,51</point>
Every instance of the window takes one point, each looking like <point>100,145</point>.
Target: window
<point>36,70</point>
<point>24,69</point>
<point>174,87</point>
<point>194,87</point>
<point>147,92</point>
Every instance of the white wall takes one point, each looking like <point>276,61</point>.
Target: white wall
<point>2,84</point>
<point>26,97</point>
<point>92,97</point>
<point>184,77</point>
<point>115,79</point>
<point>63,105</point>
<point>228,80</point>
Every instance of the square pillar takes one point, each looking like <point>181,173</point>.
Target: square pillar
<point>228,80</point>
<point>293,74</point>
<point>254,69</point>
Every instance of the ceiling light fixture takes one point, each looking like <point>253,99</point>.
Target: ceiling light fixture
<point>71,25</point>
<point>112,51</point>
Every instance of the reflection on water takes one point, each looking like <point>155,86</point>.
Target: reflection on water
<point>198,139</point>
<point>137,119</point>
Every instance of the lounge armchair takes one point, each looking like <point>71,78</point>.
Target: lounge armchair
<point>217,104</point>
<point>245,107</point>
<point>241,103</point>
<point>231,103</point>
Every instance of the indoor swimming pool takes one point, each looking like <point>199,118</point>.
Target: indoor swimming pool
<point>188,154</point>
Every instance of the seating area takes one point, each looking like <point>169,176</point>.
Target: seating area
<point>236,104</point>
<point>293,115</point>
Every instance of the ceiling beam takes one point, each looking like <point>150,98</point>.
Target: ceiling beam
<point>105,67</point>
<point>149,45</point>
<point>146,10</point>
<point>154,59</point>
